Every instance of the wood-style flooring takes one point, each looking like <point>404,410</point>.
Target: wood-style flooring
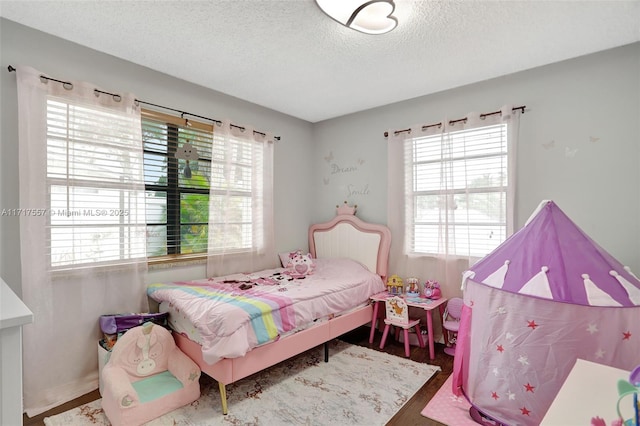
<point>409,414</point>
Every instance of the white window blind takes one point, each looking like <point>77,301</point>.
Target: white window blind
<point>94,179</point>
<point>237,170</point>
<point>457,191</point>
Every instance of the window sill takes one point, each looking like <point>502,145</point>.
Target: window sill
<point>442,256</point>
<point>153,263</point>
<point>170,261</point>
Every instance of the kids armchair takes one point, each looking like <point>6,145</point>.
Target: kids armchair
<point>147,376</point>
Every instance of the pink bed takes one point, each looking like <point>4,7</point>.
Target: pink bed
<point>237,325</point>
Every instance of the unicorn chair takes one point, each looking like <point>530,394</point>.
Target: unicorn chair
<point>147,376</point>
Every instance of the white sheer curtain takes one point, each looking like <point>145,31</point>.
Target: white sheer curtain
<point>241,235</point>
<point>447,202</point>
<point>82,229</point>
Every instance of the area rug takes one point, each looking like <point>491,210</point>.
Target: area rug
<point>447,408</point>
<point>358,386</point>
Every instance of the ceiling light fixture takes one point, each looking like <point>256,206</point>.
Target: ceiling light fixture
<point>369,17</point>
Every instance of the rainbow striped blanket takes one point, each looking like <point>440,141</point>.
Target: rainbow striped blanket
<point>268,312</point>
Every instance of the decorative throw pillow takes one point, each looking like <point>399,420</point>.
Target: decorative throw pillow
<point>300,264</point>
<point>285,257</point>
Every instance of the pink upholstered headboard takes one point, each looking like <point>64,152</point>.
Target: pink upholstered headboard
<point>348,236</point>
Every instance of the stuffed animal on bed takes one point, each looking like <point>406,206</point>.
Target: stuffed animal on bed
<point>300,265</point>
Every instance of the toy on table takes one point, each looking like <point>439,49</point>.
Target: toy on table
<point>413,289</point>
<point>394,285</point>
<point>632,387</point>
<point>625,388</point>
<point>432,290</point>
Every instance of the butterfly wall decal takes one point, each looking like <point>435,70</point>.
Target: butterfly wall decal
<point>570,152</point>
<point>549,145</point>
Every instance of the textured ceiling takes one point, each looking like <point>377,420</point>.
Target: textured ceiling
<point>290,57</point>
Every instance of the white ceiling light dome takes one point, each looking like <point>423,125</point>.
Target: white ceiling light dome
<point>370,17</point>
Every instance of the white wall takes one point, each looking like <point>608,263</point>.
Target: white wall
<point>65,60</point>
<point>588,108</point>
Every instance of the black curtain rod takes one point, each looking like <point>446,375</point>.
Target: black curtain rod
<point>397,132</point>
<point>182,113</point>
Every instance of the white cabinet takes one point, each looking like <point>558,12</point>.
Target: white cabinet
<point>13,315</point>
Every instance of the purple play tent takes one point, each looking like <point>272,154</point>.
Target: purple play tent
<point>545,297</point>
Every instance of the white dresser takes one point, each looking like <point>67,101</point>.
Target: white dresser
<point>13,315</point>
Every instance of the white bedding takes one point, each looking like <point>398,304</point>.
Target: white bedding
<point>231,321</point>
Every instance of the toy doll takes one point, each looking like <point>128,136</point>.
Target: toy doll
<point>432,290</point>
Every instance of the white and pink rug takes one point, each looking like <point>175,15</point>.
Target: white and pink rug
<point>358,386</point>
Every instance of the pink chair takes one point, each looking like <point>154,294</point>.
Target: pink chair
<point>398,316</point>
<point>451,323</point>
<point>147,376</point>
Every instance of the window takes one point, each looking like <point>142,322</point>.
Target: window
<point>94,184</point>
<point>218,209</point>
<point>100,184</point>
<point>177,205</point>
<point>456,186</point>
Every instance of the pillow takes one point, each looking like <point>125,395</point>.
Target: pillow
<point>297,263</point>
<point>285,257</point>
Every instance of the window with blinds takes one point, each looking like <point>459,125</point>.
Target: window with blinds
<point>226,182</point>
<point>100,187</point>
<point>177,204</point>
<point>94,180</point>
<point>458,184</point>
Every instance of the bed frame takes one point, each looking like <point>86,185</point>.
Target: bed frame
<point>343,236</point>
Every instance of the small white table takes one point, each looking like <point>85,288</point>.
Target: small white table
<point>591,390</point>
